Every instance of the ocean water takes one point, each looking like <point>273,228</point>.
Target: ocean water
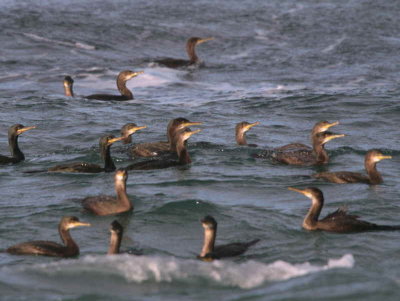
<point>286,64</point>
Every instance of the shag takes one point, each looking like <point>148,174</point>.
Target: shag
<point>318,155</point>
<point>372,177</point>
<point>117,231</point>
<point>106,205</point>
<point>181,150</point>
<point>122,78</point>
<point>190,49</point>
<point>49,248</point>
<point>16,154</point>
<point>105,144</point>
<point>338,221</point>
<point>240,132</point>
<point>152,149</point>
<point>210,252</point>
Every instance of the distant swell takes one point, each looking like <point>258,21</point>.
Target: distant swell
<point>158,269</point>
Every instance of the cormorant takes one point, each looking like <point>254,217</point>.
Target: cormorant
<point>49,248</point>
<point>16,154</point>
<point>240,132</point>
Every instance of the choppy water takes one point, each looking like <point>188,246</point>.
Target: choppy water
<point>286,64</point>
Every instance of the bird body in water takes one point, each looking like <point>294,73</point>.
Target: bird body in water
<point>372,177</point>
<point>122,78</point>
<point>109,166</point>
<point>181,150</point>
<point>210,252</point>
<point>117,231</point>
<point>16,154</point>
<point>106,205</point>
<point>338,221</point>
<point>152,149</point>
<point>49,248</point>
<point>318,155</point>
<point>240,132</point>
<point>319,127</point>
<point>191,51</point>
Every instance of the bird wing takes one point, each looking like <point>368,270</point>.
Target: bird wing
<point>38,247</point>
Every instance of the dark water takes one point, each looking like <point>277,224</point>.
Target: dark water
<point>286,64</point>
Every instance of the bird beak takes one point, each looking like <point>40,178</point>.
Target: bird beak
<point>249,126</point>
<point>187,124</point>
<point>205,40</point>
<point>113,140</point>
<point>382,157</point>
<point>331,137</point>
<point>187,135</point>
<point>329,125</point>
<point>24,129</point>
<point>303,192</point>
<point>80,224</point>
<point>135,129</point>
<point>137,73</point>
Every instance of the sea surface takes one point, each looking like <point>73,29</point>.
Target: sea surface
<point>286,64</point>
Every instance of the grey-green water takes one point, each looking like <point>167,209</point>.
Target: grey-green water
<point>286,64</point>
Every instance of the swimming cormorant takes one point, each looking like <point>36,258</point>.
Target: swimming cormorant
<point>190,49</point>
<point>338,221</point>
<point>49,248</point>
<point>122,78</point>
<point>372,177</point>
<point>16,154</point>
<point>316,156</point>
<point>117,231</point>
<point>181,150</point>
<point>210,252</point>
<point>240,132</point>
<point>105,144</point>
<point>106,205</point>
<point>152,149</point>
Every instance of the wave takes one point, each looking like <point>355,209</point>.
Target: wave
<point>70,44</point>
<point>159,269</point>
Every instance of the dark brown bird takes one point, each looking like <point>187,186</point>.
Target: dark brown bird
<point>153,149</point>
<point>122,78</point>
<point>16,154</point>
<point>128,130</point>
<point>49,248</point>
<point>316,156</point>
<point>117,231</point>
<point>181,150</point>
<point>210,252</point>
<point>338,221</point>
<point>191,51</point>
<point>372,177</point>
<point>109,166</point>
<point>240,132</point>
<point>319,127</point>
<point>106,205</point>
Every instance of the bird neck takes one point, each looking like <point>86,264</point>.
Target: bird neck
<point>121,84</point>
<point>183,153</point>
<point>108,161</point>
<point>241,138</point>
<point>373,174</point>
<point>68,90</point>
<point>70,245</point>
<point>14,148</point>
<point>122,197</point>
<point>190,49</point>
<point>311,219</point>
<point>320,153</point>
<point>115,243</point>
<point>209,241</point>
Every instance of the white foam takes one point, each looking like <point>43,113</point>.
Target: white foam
<point>138,269</point>
<point>334,45</point>
<point>70,44</point>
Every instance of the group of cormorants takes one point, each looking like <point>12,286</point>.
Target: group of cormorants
<point>174,152</point>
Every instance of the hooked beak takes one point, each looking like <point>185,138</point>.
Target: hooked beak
<point>24,129</point>
<point>249,126</point>
<point>382,157</point>
<point>187,135</point>
<point>136,73</point>
<point>331,137</point>
<point>303,192</point>
<point>80,224</point>
<point>135,129</point>
<point>187,124</point>
<point>329,125</point>
<point>113,140</point>
<point>204,40</point>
